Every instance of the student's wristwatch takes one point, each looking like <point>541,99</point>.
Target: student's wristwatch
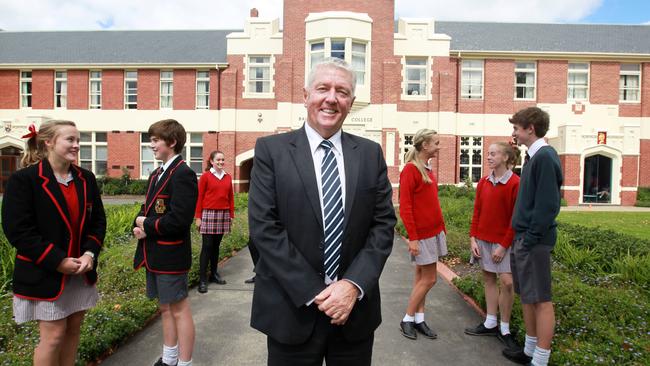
<point>90,254</point>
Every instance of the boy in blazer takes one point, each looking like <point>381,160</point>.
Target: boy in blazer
<point>162,228</point>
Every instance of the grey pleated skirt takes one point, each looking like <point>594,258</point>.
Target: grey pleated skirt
<point>77,296</point>
<point>431,249</point>
<point>487,264</point>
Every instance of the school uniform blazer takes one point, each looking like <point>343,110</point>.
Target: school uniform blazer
<point>36,221</point>
<point>169,208</point>
<point>286,225</point>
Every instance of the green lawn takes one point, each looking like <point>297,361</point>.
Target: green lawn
<point>632,223</point>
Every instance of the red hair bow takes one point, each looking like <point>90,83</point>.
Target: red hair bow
<point>32,132</point>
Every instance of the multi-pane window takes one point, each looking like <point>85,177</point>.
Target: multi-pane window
<point>472,79</point>
<point>629,84</point>
<point>95,90</point>
<point>202,89</point>
<point>471,158</point>
<point>195,157</point>
<point>359,62</point>
<point>259,74</point>
<point>60,89</point>
<point>26,89</point>
<point>352,52</point>
<point>415,76</point>
<point>166,89</point>
<point>131,90</point>
<point>148,162</point>
<point>578,81</point>
<point>525,73</point>
<point>93,152</point>
<point>408,143</point>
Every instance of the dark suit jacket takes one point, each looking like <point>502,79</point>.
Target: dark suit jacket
<point>169,208</point>
<point>286,225</point>
<point>35,219</point>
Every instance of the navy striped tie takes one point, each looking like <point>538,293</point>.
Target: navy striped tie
<point>332,209</point>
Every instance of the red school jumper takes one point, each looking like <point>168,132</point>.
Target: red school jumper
<point>419,206</point>
<point>493,207</point>
<point>215,194</point>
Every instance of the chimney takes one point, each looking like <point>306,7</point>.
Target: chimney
<point>254,13</point>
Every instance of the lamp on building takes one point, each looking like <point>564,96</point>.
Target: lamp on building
<point>7,125</point>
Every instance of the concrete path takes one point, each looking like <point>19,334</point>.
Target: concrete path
<point>224,336</point>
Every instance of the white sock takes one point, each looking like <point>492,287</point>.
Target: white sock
<point>170,354</point>
<point>419,318</point>
<point>490,321</point>
<point>505,328</point>
<point>184,363</point>
<point>408,318</point>
<point>541,356</point>
<point>529,346</point>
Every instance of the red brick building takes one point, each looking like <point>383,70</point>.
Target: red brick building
<point>229,87</point>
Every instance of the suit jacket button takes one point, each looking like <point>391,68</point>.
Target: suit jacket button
<point>321,245</point>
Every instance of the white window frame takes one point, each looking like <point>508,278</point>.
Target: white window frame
<point>147,145</point>
<point>472,148</point>
<point>471,66</point>
<point>427,77</point>
<point>94,145</point>
<point>347,52</point>
<point>94,79</point>
<point>623,89</point>
<point>199,94</point>
<point>25,98</point>
<point>60,89</point>
<point>359,74</point>
<point>128,92</point>
<point>249,78</point>
<point>574,87</point>
<point>521,67</point>
<point>166,98</point>
<point>194,145</point>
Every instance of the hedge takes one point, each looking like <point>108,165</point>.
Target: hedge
<point>123,307</point>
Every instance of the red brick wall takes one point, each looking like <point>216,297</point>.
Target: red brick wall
<point>645,90</point>
<point>629,171</point>
<point>284,71</point>
<point>570,169</point>
<point>629,110</point>
<point>123,151</point>
<point>447,88</point>
<point>603,86</point>
<point>382,13</point>
<point>447,162</point>
<point>572,197</point>
<point>552,81</point>
<point>499,86</point>
<point>149,89</point>
<point>113,89</point>
<point>644,163</point>
<point>628,198</point>
<point>78,89</point>
<point>10,86</point>
<point>43,89</point>
<point>391,83</point>
<point>229,88</point>
<point>185,89</point>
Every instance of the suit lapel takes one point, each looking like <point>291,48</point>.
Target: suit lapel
<point>160,184</point>
<point>80,186</point>
<point>53,191</point>
<point>302,157</point>
<point>352,161</point>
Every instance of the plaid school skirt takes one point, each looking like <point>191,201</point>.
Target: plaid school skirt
<point>215,221</point>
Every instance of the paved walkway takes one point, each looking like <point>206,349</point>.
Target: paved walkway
<point>224,336</point>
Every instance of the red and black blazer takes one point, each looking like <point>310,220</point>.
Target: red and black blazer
<point>36,221</point>
<point>169,208</point>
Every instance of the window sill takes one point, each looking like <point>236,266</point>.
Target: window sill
<point>416,97</point>
<point>633,102</point>
<point>258,95</point>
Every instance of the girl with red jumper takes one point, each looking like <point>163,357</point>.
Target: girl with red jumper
<point>215,209</point>
<point>491,235</point>
<point>53,214</point>
<point>420,211</point>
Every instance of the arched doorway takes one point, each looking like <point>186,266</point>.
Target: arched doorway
<point>597,179</point>
<point>245,175</point>
<point>9,162</point>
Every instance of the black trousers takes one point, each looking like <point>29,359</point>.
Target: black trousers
<point>326,343</point>
<point>209,254</point>
<point>254,253</point>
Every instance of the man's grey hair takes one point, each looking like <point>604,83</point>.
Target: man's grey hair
<point>332,62</point>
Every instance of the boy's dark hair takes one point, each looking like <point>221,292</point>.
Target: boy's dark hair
<point>170,131</point>
<point>532,116</point>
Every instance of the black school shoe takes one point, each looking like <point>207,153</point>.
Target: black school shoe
<point>408,330</point>
<point>424,329</point>
<point>481,330</point>
<point>203,287</point>
<point>217,279</point>
<point>517,355</point>
<point>508,340</point>
<point>161,363</point>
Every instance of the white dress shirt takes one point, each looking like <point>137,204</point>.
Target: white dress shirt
<point>536,146</point>
<point>219,175</point>
<point>166,165</point>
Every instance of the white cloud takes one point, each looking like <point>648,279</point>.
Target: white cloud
<point>229,14</point>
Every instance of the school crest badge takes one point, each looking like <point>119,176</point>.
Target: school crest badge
<point>160,206</point>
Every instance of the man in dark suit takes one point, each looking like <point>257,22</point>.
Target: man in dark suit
<point>322,219</point>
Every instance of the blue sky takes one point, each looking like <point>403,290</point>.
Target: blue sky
<point>228,14</point>
<point>621,12</point>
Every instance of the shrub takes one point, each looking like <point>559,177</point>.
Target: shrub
<point>643,197</point>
